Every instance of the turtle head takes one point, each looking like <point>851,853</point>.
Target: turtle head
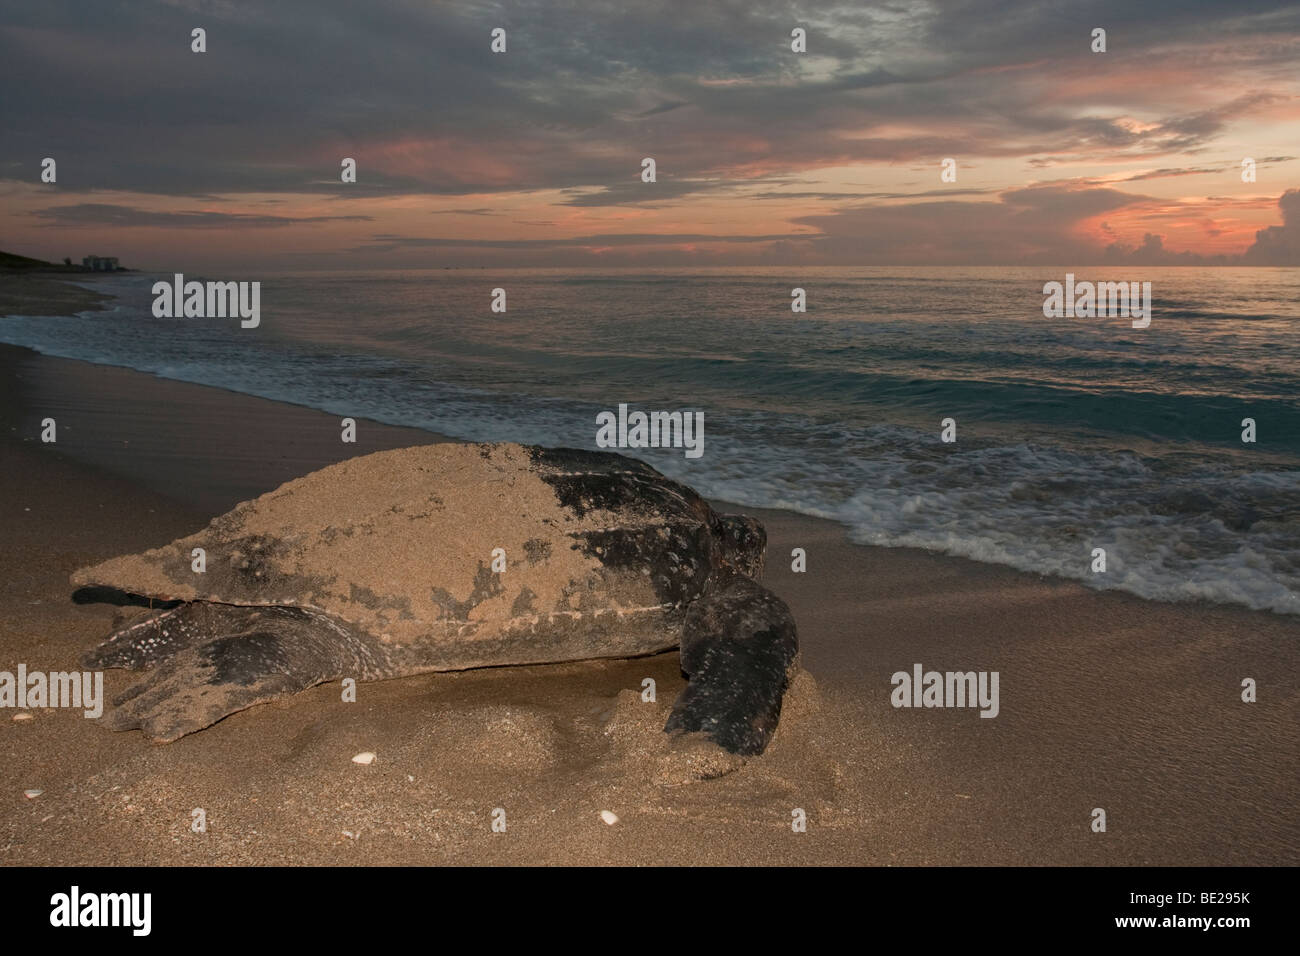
<point>743,542</point>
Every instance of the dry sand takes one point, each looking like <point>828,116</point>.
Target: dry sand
<point>1106,700</point>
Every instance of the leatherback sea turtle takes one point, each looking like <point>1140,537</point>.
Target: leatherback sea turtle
<point>388,565</point>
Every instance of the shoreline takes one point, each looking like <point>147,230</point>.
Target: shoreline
<point>318,449</point>
<point>1107,699</point>
<point>1182,520</point>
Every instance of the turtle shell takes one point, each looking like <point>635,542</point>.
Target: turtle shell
<point>404,546</point>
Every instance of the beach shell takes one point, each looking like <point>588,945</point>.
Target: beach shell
<point>32,794</point>
<point>22,716</point>
<point>365,758</point>
<point>609,817</point>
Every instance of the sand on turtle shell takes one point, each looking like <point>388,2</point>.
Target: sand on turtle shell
<point>389,541</point>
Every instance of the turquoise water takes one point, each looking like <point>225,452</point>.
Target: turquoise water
<point>1072,434</point>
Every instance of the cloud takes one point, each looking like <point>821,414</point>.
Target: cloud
<point>1279,245</point>
<point>863,197</point>
<point>1202,170</point>
<point>1030,225</point>
<point>585,90</point>
<point>712,91</point>
<point>633,191</point>
<point>389,243</point>
<point>1152,252</point>
<point>661,108</point>
<point>104,214</point>
<point>1274,246</point>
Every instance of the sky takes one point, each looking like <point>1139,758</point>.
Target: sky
<point>231,158</point>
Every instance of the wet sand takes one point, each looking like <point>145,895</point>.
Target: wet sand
<point>1106,700</point>
<point>45,293</point>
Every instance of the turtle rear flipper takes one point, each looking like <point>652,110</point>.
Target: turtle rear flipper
<point>261,653</point>
<point>739,648</point>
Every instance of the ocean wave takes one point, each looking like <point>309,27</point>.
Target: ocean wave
<point>1197,518</point>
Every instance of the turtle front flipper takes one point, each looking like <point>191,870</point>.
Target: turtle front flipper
<point>257,654</point>
<point>152,639</point>
<point>739,649</point>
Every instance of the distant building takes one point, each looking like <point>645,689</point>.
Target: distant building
<point>100,263</point>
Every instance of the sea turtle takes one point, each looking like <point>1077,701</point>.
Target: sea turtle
<point>387,565</point>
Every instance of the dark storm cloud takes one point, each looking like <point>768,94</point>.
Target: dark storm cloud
<point>976,30</point>
<point>585,90</point>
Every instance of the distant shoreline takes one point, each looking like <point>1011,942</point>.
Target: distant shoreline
<point>32,292</point>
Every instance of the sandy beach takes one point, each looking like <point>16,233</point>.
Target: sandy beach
<point>1107,700</point>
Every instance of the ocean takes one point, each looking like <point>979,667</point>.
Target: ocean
<point>1072,434</point>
